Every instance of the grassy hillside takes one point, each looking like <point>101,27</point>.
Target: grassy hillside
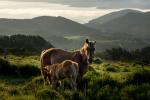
<point>106,80</point>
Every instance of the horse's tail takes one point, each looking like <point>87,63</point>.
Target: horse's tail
<point>41,58</point>
<point>42,63</point>
<point>45,58</point>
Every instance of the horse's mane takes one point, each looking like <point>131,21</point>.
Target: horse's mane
<point>80,57</point>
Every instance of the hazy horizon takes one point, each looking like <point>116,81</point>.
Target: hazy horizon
<point>76,10</point>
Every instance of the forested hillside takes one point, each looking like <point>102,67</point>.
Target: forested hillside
<point>23,44</point>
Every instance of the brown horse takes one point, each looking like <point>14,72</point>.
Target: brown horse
<point>57,72</point>
<point>83,57</point>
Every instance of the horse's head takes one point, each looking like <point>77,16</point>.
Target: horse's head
<point>89,49</point>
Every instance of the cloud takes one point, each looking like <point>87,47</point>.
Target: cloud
<point>16,9</point>
<point>101,4</point>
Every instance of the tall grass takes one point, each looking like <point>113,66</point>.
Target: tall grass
<point>103,82</point>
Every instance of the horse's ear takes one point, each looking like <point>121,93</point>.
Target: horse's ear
<point>87,40</point>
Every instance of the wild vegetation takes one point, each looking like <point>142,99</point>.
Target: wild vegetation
<point>106,79</point>
<point>140,56</point>
<point>120,74</point>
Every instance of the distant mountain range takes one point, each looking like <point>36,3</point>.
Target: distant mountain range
<point>127,22</point>
<point>43,25</point>
<point>126,28</point>
<point>111,16</point>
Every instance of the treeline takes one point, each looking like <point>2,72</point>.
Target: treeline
<point>22,44</point>
<point>138,55</point>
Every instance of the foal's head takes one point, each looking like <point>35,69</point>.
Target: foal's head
<point>89,49</point>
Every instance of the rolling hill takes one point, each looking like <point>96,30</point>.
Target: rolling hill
<point>53,29</point>
<point>129,22</point>
<point>43,25</point>
<point>126,28</point>
<point>108,17</point>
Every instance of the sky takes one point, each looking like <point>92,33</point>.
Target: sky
<point>78,10</point>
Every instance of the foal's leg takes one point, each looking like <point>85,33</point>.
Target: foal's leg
<point>62,84</point>
<point>44,77</point>
<point>54,82</point>
<point>49,78</point>
<point>73,84</point>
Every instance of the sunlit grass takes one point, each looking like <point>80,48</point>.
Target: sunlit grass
<point>24,60</point>
<point>104,81</point>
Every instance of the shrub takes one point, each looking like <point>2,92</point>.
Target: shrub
<point>22,97</point>
<point>28,70</point>
<point>3,63</point>
<point>5,67</point>
<point>110,69</point>
<point>97,61</point>
<point>71,95</point>
<point>78,96</point>
<point>10,90</point>
<point>125,70</point>
<point>33,86</point>
<point>135,92</point>
<point>138,77</point>
<point>21,70</point>
<point>4,96</point>
<point>68,94</point>
<point>108,93</point>
<point>49,94</point>
<point>95,81</point>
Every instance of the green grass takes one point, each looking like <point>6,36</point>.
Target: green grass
<point>106,80</point>
<point>24,60</point>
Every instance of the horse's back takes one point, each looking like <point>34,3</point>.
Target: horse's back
<point>54,55</point>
